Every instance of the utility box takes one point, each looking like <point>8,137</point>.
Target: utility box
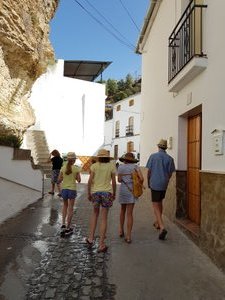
<point>218,141</point>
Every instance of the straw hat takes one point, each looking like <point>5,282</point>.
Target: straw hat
<point>103,153</point>
<point>128,157</point>
<point>71,155</point>
<point>162,144</point>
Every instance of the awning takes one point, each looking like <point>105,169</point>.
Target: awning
<point>84,70</point>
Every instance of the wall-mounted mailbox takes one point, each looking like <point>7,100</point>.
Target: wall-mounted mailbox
<point>218,141</point>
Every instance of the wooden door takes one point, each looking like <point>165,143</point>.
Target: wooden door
<point>194,166</point>
<point>116,151</point>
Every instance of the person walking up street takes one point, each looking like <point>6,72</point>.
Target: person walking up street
<point>69,175</point>
<point>101,192</point>
<point>126,197</point>
<point>160,167</point>
<point>57,162</point>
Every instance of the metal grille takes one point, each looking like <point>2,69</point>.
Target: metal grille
<point>185,41</point>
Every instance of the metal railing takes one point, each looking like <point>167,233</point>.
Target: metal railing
<point>185,42</point>
<point>117,133</point>
<point>129,130</point>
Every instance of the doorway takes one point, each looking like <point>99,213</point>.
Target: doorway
<point>193,168</point>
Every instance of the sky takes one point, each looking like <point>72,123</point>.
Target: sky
<point>86,30</point>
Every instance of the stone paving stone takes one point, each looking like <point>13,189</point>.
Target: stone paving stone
<point>70,270</point>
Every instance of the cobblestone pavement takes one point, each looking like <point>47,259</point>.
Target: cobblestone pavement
<point>69,270</point>
<point>36,263</point>
<point>42,265</point>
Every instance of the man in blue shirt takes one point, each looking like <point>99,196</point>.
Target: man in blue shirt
<point>160,167</point>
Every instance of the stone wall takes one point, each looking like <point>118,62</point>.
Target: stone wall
<point>25,52</point>
<point>181,183</point>
<point>212,234</point>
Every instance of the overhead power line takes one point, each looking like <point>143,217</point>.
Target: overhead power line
<point>107,21</point>
<point>107,29</point>
<point>127,11</point>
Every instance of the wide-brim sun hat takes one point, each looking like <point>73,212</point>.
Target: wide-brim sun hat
<point>128,157</point>
<point>103,153</point>
<point>71,155</point>
<point>162,144</point>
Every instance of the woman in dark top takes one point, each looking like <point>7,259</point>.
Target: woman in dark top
<point>57,162</point>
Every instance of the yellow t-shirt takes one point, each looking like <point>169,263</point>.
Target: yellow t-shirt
<point>69,181</point>
<point>102,176</point>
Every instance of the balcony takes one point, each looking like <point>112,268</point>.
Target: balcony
<point>186,56</point>
<point>117,133</point>
<point>129,130</point>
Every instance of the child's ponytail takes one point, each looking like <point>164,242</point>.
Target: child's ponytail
<point>69,167</point>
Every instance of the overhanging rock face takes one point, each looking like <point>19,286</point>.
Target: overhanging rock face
<point>25,52</point>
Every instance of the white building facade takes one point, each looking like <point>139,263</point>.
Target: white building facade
<point>122,132</point>
<point>183,101</point>
<point>70,111</point>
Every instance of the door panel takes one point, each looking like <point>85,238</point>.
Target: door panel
<point>194,166</point>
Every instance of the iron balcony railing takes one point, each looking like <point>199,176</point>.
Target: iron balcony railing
<point>117,133</point>
<point>129,130</point>
<point>185,42</point>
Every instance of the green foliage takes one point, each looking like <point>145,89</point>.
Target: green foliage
<point>111,87</point>
<point>119,90</point>
<point>11,141</point>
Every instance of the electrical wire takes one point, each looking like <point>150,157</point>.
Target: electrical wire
<point>128,13</point>
<point>107,29</point>
<point>106,20</point>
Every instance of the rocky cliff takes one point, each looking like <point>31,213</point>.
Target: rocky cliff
<point>25,52</point>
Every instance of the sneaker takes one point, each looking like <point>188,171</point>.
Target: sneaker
<point>68,231</point>
<point>51,193</point>
<point>63,230</point>
<point>59,195</point>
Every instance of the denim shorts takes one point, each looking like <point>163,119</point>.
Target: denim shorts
<point>68,194</point>
<point>102,198</point>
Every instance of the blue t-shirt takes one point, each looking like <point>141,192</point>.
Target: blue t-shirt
<point>161,166</point>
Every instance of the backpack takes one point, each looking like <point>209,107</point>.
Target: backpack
<point>137,184</point>
<point>137,190</point>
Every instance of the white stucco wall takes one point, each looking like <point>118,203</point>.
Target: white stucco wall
<point>163,111</point>
<point>19,171</point>
<point>14,198</point>
<point>108,132</point>
<point>70,111</point>
<point>123,116</point>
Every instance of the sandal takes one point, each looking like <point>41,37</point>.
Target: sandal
<point>155,224</point>
<point>121,234</point>
<point>103,250</point>
<point>128,241</point>
<point>163,234</point>
<point>90,244</point>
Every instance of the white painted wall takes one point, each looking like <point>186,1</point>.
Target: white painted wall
<point>161,109</point>
<point>70,111</point>
<point>108,132</point>
<point>123,116</point>
<point>19,171</point>
<point>14,198</point>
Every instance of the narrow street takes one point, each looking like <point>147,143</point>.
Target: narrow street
<point>35,263</point>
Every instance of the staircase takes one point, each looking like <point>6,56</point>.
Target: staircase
<point>37,143</point>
